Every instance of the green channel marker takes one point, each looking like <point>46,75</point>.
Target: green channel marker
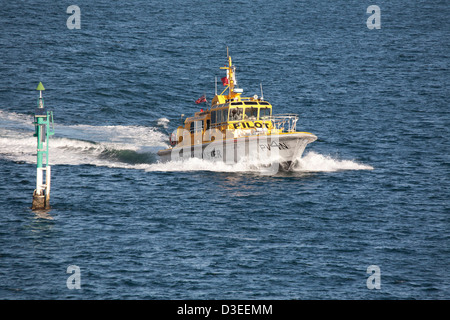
<point>43,122</point>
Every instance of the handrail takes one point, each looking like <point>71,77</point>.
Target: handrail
<point>285,122</point>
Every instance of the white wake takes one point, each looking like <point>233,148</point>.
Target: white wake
<point>316,162</point>
<point>132,147</point>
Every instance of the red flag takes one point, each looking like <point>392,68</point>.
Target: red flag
<point>201,99</point>
<point>224,81</point>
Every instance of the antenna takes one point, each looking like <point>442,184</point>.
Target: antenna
<point>262,94</point>
<point>216,85</point>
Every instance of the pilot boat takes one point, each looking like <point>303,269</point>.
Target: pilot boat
<point>237,128</point>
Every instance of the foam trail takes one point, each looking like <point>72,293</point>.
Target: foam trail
<point>112,146</point>
<point>164,122</point>
<point>311,162</point>
<point>129,147</point>
<point>315,162</point>
<point>196,164</point>
<point>138,135</point>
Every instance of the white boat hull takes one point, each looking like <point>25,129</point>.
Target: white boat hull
<point>281,151</point>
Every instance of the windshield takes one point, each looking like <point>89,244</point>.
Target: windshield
<point>264,113</point>
<point>236,114</point>
<point>251,113</point>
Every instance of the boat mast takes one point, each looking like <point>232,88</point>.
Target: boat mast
<point>231,77</point>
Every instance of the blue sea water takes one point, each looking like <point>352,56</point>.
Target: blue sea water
<point>372,190</point>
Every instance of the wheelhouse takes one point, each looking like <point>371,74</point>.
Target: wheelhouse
<point>223,114</point>
<point>242,115</point>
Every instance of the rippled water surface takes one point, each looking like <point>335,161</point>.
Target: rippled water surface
<point>372,190</point>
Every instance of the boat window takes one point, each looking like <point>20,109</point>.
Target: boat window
<point>196,126</point>
<point>251,103</point>
<point>221,115</point>
<point>236,103</point>
<point>199,125</point>
<point>236,114</point>
<point>264,103</point>
<point>251,113</point>
<point>218,116</point>
<point>225,115</point>
<point>264,113</point>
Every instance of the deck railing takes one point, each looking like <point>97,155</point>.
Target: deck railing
<point>285,122</point>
